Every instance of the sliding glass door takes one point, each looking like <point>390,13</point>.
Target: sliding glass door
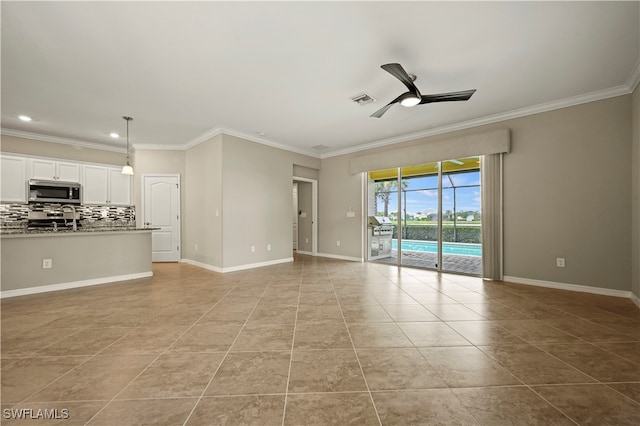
<point>462,216</point>
<point>419,230</point>
<point>436,214</point>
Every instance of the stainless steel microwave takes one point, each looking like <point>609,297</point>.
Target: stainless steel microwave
<point>49,191</point>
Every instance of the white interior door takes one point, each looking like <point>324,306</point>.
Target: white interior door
<point>161,210</point>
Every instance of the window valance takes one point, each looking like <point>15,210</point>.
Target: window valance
<point>487,143</point>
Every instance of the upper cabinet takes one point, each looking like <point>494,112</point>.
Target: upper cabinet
<point>105,185</point>
<point>55,170</point>
<point>95,185</point>
<point>101,184</point>
<point>13,179</point>
<point>119,187</point>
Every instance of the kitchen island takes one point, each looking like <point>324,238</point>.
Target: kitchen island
<point>40,261</point>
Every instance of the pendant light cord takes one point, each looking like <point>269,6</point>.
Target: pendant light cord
<point>127,119</point>
<point>127,169</point>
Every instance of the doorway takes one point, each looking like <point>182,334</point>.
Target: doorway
<point>161,210</point>
<point>305,215</point>
<point>436,212</point>
<point>295,216</point>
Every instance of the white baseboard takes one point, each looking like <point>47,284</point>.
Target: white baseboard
<point>635,299</point>
<point>308,253</point>
<point>570,287</point>
<point>339,257</point>
<point>202,265</point>
<point>74,284</point>
<point>236,268</point>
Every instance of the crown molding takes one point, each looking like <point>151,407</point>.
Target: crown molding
<point>496,118</point>
<point>219,130</point>
<point>203,137</point>
<point>156,147</point>
<point>63,141</point>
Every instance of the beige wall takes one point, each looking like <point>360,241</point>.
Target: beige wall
<point>16,145</point>
<point>306,172</point>
<point>635,195</point>
<point>337,191</point>
<point>257,199</point>
<point>202,197</point>
<point>235,194</point>
<point>567,186</point>
<point>566,190</point>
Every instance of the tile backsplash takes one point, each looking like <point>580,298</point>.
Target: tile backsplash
<point>91,215</point>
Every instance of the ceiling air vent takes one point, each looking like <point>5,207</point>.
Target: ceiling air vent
<point>363,99</point>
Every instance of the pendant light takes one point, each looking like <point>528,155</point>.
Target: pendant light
<point>127,169</point>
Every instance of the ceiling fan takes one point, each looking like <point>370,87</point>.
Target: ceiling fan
<point>413,96</point>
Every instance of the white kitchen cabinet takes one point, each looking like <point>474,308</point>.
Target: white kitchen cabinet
<point>95,185</point>
<point>54,170</point>
<point>13,179</point>
<point>119,187</point>
<point>105,185</point>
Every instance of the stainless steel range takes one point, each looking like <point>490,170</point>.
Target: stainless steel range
<point>54,219</point>
<point>380,236</point>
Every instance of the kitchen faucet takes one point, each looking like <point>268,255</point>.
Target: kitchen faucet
<point>73,209</point>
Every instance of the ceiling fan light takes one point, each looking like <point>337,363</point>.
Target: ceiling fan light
<point>409,101</point>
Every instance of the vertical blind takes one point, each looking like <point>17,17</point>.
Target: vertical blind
<point>492,240</point>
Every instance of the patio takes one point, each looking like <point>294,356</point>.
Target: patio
<point>470,265</point>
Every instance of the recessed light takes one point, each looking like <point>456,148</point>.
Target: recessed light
<point>262,133</point>
<point>24,117</point>
<point>114,135</point>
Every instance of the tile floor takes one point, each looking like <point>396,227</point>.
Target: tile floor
<point>319,341</point>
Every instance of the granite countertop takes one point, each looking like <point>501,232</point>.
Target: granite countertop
<point>64,231</point>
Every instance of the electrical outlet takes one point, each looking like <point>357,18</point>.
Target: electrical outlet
<point>306,241</point>
<point>196,247</point>
<point>268,247</point>
<point>338,243</point>
<point>47,263</point>
<point>560,262</point>
<point>351,214</point>
<point>253,249</point>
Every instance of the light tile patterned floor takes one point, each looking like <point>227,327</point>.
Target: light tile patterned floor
<point>320,341</point>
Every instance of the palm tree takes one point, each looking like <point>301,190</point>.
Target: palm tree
<point>383,191</point>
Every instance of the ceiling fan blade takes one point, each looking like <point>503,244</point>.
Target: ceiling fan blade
<point>398,72</point>
<point>463,95</point>
<point>379,113</point>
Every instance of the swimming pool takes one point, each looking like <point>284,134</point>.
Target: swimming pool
<point>432,247</point>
